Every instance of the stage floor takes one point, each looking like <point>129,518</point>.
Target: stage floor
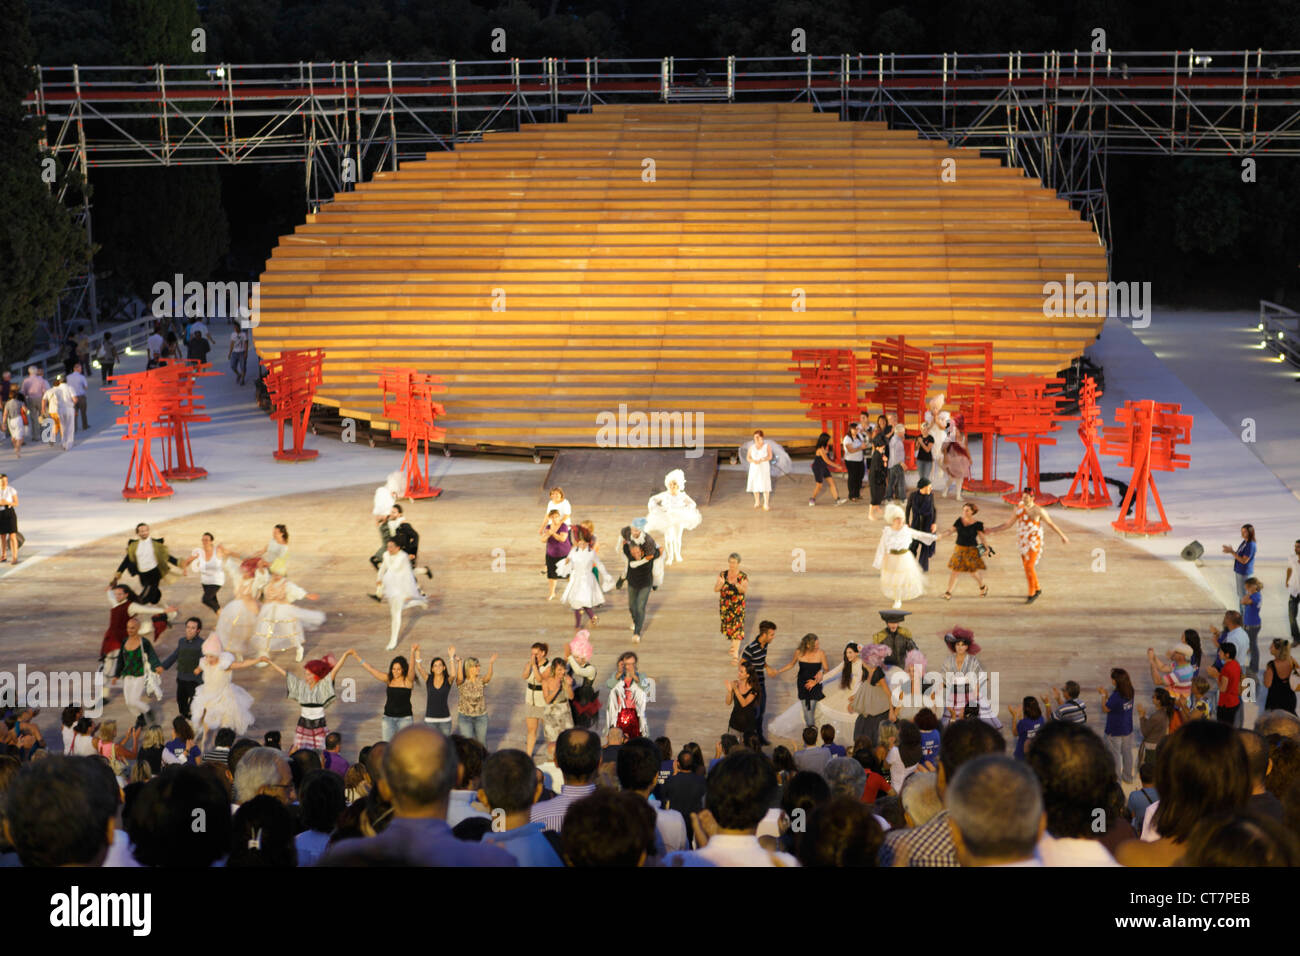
<point>1087,621</point>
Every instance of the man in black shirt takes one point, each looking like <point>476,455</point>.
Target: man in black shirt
<point>186,657</point>
<point>407,538</point>
<point>640,556</point>
<point>684,791</point>
<point>755,655</point>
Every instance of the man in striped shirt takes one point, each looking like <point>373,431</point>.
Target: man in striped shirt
<point>1068,708</point>
<point>577,754</point>
<point>755,655</point>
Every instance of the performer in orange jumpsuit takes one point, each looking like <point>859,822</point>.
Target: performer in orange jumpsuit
<point>1029,537</point>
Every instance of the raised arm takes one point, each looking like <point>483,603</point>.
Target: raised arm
<point>491,664</point>
<point>339,666</point>
<point>274,666</point>
<point>377,675</point>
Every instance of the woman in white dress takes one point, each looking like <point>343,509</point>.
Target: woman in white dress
<point>759,456</point>
<point>672,512</point>
<point>219,702</point>
<point>583,593</point>
<point>275,556</point>
<point>237,619</point>
<point>207,560</point>
<point>280,623</point>
<point>838,688</point>
<point>900,575</point>
<point>397,586</point>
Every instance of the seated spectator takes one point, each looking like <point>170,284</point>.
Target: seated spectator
<point>9,767</point>
<point>1283,766</point>
<point>465,804</point>
<point>828,741</point>
<point>1143,797</point>
<point>995,811</point>
<point>510,788</point>
<point>419,769</point>
<point>1280,722</point>
<point>608,828</point>
<point>264,771</point>
<point>333,760</point>
<point>920,799</point>
<point>1076,774</point>
<point>577,753</point>
<point>805,791</point>
<point>876,784</point>
<point>301,763</point>
<point>1262,802</point>
<point>812,755</point>
<point>638,772</point>
<point>1242,840</point>
<point>321,802</point>
<point>1069,707</point>
<point>262,834</point>
<point>221,744</point>
<point>726,744</point>
<point>1201,771</point>
<point>783,762</point>
<point>181,749</point>
<point>685,789</point>
<point>928,724</point>
<point>905,757</point>
<point>58,813</point>
<point>740,790</point>
<point>162,816</point>
<point>271,739</point>
<point>841,832</point>
<point>666,760</point>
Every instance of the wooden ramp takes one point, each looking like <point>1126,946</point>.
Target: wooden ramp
<point>625,477</point>
<point>547,281</point>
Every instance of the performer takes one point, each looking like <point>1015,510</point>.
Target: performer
<point>396,585</point>
<point>627,700</point>
<point>280,624</point>
<point>275,556</point>
<point>822,465</point>
<point>558,537</point>
<point>966,554</point>
<point>207,560</point>
<point>742,696</point>
<point>187,656</point>
<point>900,575</point>
<point>385,497</point>
<point>854,457</point>
<point>759,457</point>
<point>557,692</point>
<point>407,538</point>
<point>586,698</point>
<point>962,670</point>
<point>8,520</point>
<point>838,688</point>
<point>1029,537</point>
<point>921,516</point>
<point>14,418</point>
<point>313,693</point>
<point>956,458</point>
<point>219,701</point>
<point>641,554</point>
<point>811,661</point>
<point>237,619</point>
<point>438,682</point>
<point>140,670</point>
<point>559,503</point>
<point>149,560</point>
<point>672,512</point>
<point>731,586</point>
<point>602,575</point>
<point>398,681</point>
<point>894,636</point>
<point>583,592</point>
<point>534,701</point>
<point>123,607</point>
<point>871,702</point>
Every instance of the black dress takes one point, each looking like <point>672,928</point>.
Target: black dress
<point>1280,695</point>
<point>921,517</point>
<point>745,719</point>
<point>807,671</point>
<point>877,472</point>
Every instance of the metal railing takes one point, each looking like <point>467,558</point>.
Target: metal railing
<point>1279,331</point>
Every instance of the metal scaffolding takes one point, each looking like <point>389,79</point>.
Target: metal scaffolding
<point>1056,115</point>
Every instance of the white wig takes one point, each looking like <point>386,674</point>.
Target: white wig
<point>396,482</point>
<point>893,511</point>
<point>677,476</point>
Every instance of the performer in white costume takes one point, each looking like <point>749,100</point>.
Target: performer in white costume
<point>398,587</point>
<point>238,617</point>
<point>758,454</point>
<point>900,575</point>
<point>219,702</point>
<point>583,592</point>
<point>832,709</point>
<point>280,624</point>
<point>672,512</point>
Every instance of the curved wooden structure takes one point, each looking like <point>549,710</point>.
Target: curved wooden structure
<point>674,295</point>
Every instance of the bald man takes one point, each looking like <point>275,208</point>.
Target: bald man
<point>419,771</point>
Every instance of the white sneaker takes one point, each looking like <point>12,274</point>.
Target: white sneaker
<point>297,656</point>
<point>842,501</point>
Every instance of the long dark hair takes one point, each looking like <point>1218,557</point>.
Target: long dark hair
<point>1165,701</point>
<point>1193,640</point>
<point>1123,683</point>
<point>405,665</point>
<point>446,671</point>
<point>823,440</point>
<point>846,675</point>
<point>1250,531</point>
<point>1201,770</point>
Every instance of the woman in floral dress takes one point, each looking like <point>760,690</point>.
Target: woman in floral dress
<point>730,588</point>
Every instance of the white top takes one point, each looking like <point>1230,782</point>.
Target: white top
<point>198,328</point>
<point>562,506</point>
<point>210,570</point>
<point>83,746</point>
<point>68,735</point>
<point>8,495</point>
<point>758,455</point>
<point>154,344</point>
<point>145,560</point>
<point>384,502</point>
<point>1073,851</point>
<point>77,382</point>
<point>731,849</point>
<point>900,540</point>
<point>1149,832</point>
<point>671,826</point>
<point>1293,565</point>
<point>848,441</point>
<point>239,341</point>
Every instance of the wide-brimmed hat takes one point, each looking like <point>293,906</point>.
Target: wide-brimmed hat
<point>961,634</point>
<point>1184,649</point>
<point>580,646</point>
<point>892,615</point>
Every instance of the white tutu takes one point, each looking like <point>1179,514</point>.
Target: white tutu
<point>235,625</point>
<point>832,709</point>
<point>280,623</point>
<point>669,512</point>
<point>398,579</point>
<point>219,702</point>
<point>900,577</point>
<point>583,590</point>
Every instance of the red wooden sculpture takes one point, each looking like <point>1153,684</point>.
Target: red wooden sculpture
<point>291,381</point>
<point>1088,490</point>
<point>142,396</point>
<point>182,407</point>
<point>413,409</point>
<point>831,383</point>
<point>1146,440</point>
<point>902,377</point>
<point>1027,415</point>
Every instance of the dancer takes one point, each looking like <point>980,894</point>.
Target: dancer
<point>878,466</point>
<point>731,587</point>
<point>641,554</point>
<point>966,555</point>
<point>627,700</point>
<point>962,671</point>
<point>893,635</point>
<point>280,623</point>
<point>759,457</point>
<point>187,656</point>
<point>557,692</point>
<point>921,516</point>
<point>137,663</point>
<point>397,700</point>
<point>586,699</point>
<point>872,702</point>
<point>601,573</point>
<point>124,605</point>
<point>237,620</point>
<point>396,585</point>
<point>207,559</point>
<point>812,664</point>
<point>584,592</point>
<point>534,700</point>
<point>275,556</point>
<point>838,687</point>
<point>900,575</point>
<point>471,701</point>
<point>742,696</point>
<point>1029,537</point>
<point>381,510</point>
<point>407,538</point>
<point>219,701</point>
<point>956,457</point>
<point>932,429</point>
<point>149,560</point>
<point>314,693</point>
<point>438,682</point>
<point>822,466</point>
<point>558,537</point>
<point>1277,677</point>
<point>8,520</point>
<point>672,512</point>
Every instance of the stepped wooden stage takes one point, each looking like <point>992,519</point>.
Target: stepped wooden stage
<point>672,295</point>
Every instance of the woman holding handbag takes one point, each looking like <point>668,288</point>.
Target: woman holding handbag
<point>8,520</point>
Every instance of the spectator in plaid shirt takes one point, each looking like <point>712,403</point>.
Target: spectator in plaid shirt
<point>931,843</point>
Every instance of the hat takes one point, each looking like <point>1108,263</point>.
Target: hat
<point>1184,649</point>
<point>923,483</point>
<point>873,655</point>
<point>961,634</point>
<point>212,645</point>
<point>676,475</point>
<point>892,615</point>
<point>580,646</point>
<point>915,659</point>
<point>320,667</point>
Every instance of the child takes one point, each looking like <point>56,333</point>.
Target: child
<point>1250,618</point>
<point>1026,727</point>
<point>1200,705</point>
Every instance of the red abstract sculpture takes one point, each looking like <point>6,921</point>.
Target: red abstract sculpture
<point>1146,440</point>
<point>1088,490</point>
<point>181,408</point>
<point>1026,415</point>
<point>830,383</point>
<point>143,396</point>
<point>291,381</point>
<point>902,377</point>
<point>413,409</point>
<point>968,369</point>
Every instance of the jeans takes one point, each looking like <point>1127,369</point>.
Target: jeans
<point>1121,749</point>
<point>239,363</point>
<point>1292,607</point>
<point>809,708</point>
<point>1253,633</point>
<point>475,727</point>
<point>895,485</point>
<point>923,469</point>
<point>440,724</point>
<point>393,724</point>
<point>856,470</point>
<point>1240,581</point>
<point>636,601</point>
